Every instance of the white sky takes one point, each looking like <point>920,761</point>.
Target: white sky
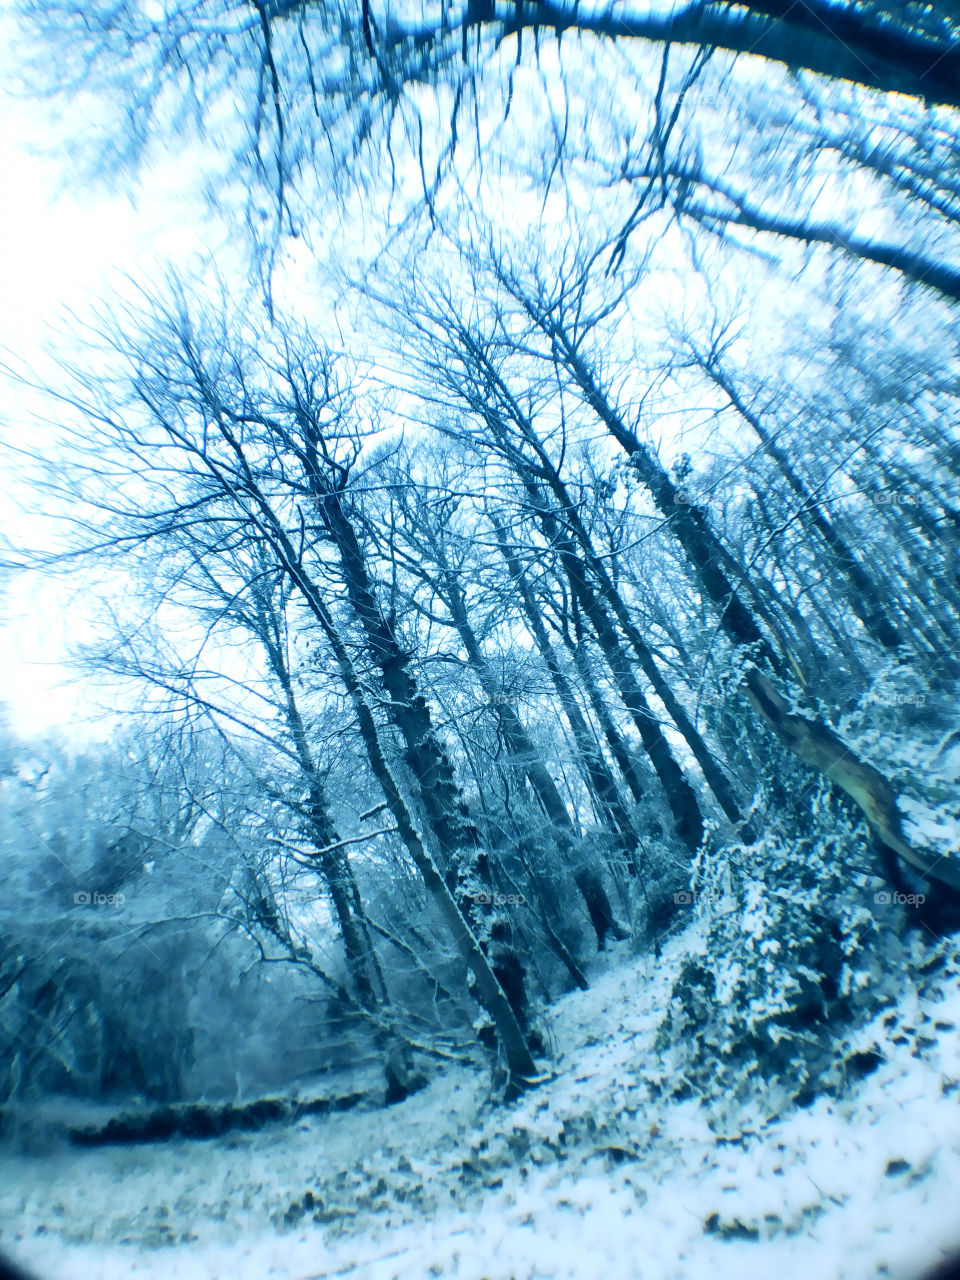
<point>60,251</point>
<point>52,254</point>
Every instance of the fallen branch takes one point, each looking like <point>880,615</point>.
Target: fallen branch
<point>204,1119</point>
<point>820,748</point>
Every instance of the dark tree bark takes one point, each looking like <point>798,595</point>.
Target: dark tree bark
<point>525,754</point>
<point>680,796</point>
<point>736,210</point>
<point>619,748</point>
<point>447,813</point>
<point>520,1062</point>
<point>712,772</point>
<point>820,748</point>
<point>686,521</point>
<point>328,852</point>
<point>594,767</point>
<point>511,430</point>
<point>406,706</point>
<point>840,41</point>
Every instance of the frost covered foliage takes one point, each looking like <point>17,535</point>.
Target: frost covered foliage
<point>908,719</point>
<point>795,948</point>
<point>804,937</point>
<point>127,972</point>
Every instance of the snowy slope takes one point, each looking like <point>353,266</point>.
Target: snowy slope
<point>598,1173</point>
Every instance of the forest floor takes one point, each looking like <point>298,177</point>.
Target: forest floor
<point>597,1173</point>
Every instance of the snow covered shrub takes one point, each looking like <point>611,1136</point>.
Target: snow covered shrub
<point>93,1017</point>
<point>663,889</point>
<point>795,949</point>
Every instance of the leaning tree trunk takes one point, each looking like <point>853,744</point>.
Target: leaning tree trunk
<point>528,760</point>
<point>444,806</point>
<point>599,778</point>
<point>687,522</point>
<point>820,748</point>
<point>489,402</point>
<point>520,1062</point>
<point>680,795</point>
<point>408,709</point>
<point>716,779</point>
<point>329,855</point>
<point>619,748</point>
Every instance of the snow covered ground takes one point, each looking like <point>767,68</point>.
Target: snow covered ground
<point>598,1173</point>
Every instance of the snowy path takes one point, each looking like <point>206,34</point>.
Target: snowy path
<point>591,1175</point>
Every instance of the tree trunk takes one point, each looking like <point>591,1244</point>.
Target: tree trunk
<point>528,760</point>
<point>407,708</point>
<point>681,797</point>
<point>334,866</point>
<point>520,1063</point>
<point>714,775</point>
<point>425,756</point>
<point>598,776</point>
<point>619,748</point>
<point>688,523</point>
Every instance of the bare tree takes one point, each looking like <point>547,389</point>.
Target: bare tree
<point>196,426</point>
